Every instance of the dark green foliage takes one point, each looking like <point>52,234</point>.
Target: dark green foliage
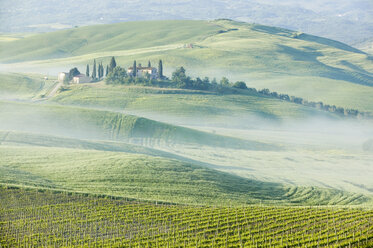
<point>113,64</point>
<point>224,81</point>
<point>160,69</point>
<point>72,73</point>
<point>107,70</point>
<point>149,64</point>
<point>134,71</point>
<point>87,71</point>
<point>240,85</point>
<point>100,71</point>
<point>318,105</point>
<point>117,76</point>
<point>179,75</point>
<point>94,73</point>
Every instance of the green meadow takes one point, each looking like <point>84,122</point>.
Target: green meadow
<point>311,67</point>
<point>188,146</point>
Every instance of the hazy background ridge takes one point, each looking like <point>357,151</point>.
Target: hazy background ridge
<point>349,21</point>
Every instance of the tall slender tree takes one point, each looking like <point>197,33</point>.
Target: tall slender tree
<point>149,64</point>
<point>160,69</point>
<point>113,64</point>
<point>100,71</point>
<point>107,70</point>
<point>94,73</point>
<point>134,71</point>
<point>87,71</point>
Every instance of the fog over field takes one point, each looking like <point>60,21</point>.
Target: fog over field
<point>185,123</point>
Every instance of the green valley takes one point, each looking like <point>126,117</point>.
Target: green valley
<point>268,143</point>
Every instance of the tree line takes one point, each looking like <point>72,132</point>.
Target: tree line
<point>99,72</point>
<point>180,80</point>
<point>118,75</point>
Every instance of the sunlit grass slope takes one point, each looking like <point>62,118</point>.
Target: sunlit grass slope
<point>22,86</point>
<point>311,67</point>
<point>151,178</point>
<point>187,107</point>
<point>124,36</point>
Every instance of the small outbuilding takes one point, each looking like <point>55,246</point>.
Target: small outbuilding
<point>81,79</point>
<point>62,76</point>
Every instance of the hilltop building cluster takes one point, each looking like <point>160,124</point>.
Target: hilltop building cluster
<point>143,71</point>
<point>75,77</point>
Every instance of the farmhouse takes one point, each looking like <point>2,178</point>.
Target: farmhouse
<point>81,79</point>
<point>143,71</point>
<point>62,76</point>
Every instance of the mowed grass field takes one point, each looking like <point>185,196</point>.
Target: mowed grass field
<point>146,177</point>
<point>298,64</point>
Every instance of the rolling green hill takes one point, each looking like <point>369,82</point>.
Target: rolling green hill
<point>241,147</point>
<point>252,136</point>
<point>21,86</point>
<point>98,124</point>
<point>151,178</point>
<point>311,67</point>
<point>186,107</point>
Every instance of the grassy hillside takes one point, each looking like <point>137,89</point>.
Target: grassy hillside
<point>186,107</point>
<point>132,35</point>
<point>311,67</point>
<point>23,86</point>
<point>152,178</point>
<point>98,124</point>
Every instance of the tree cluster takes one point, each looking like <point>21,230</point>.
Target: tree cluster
<point>72,73</point>
<point>180,80</point>
<point>98,72</point>
<point>317,105</point>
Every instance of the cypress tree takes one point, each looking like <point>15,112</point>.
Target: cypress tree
<point>100,71</point>
<point>113,64</point>
<point>107,70</point>
<point>149,64</point>
<point>94,70</point>
<point>160,69</point>
<point>87,71</point>
<point>134,71</point>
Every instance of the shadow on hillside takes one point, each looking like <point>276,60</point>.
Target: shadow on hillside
<point>305,37</point>
<point>358,76</point>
